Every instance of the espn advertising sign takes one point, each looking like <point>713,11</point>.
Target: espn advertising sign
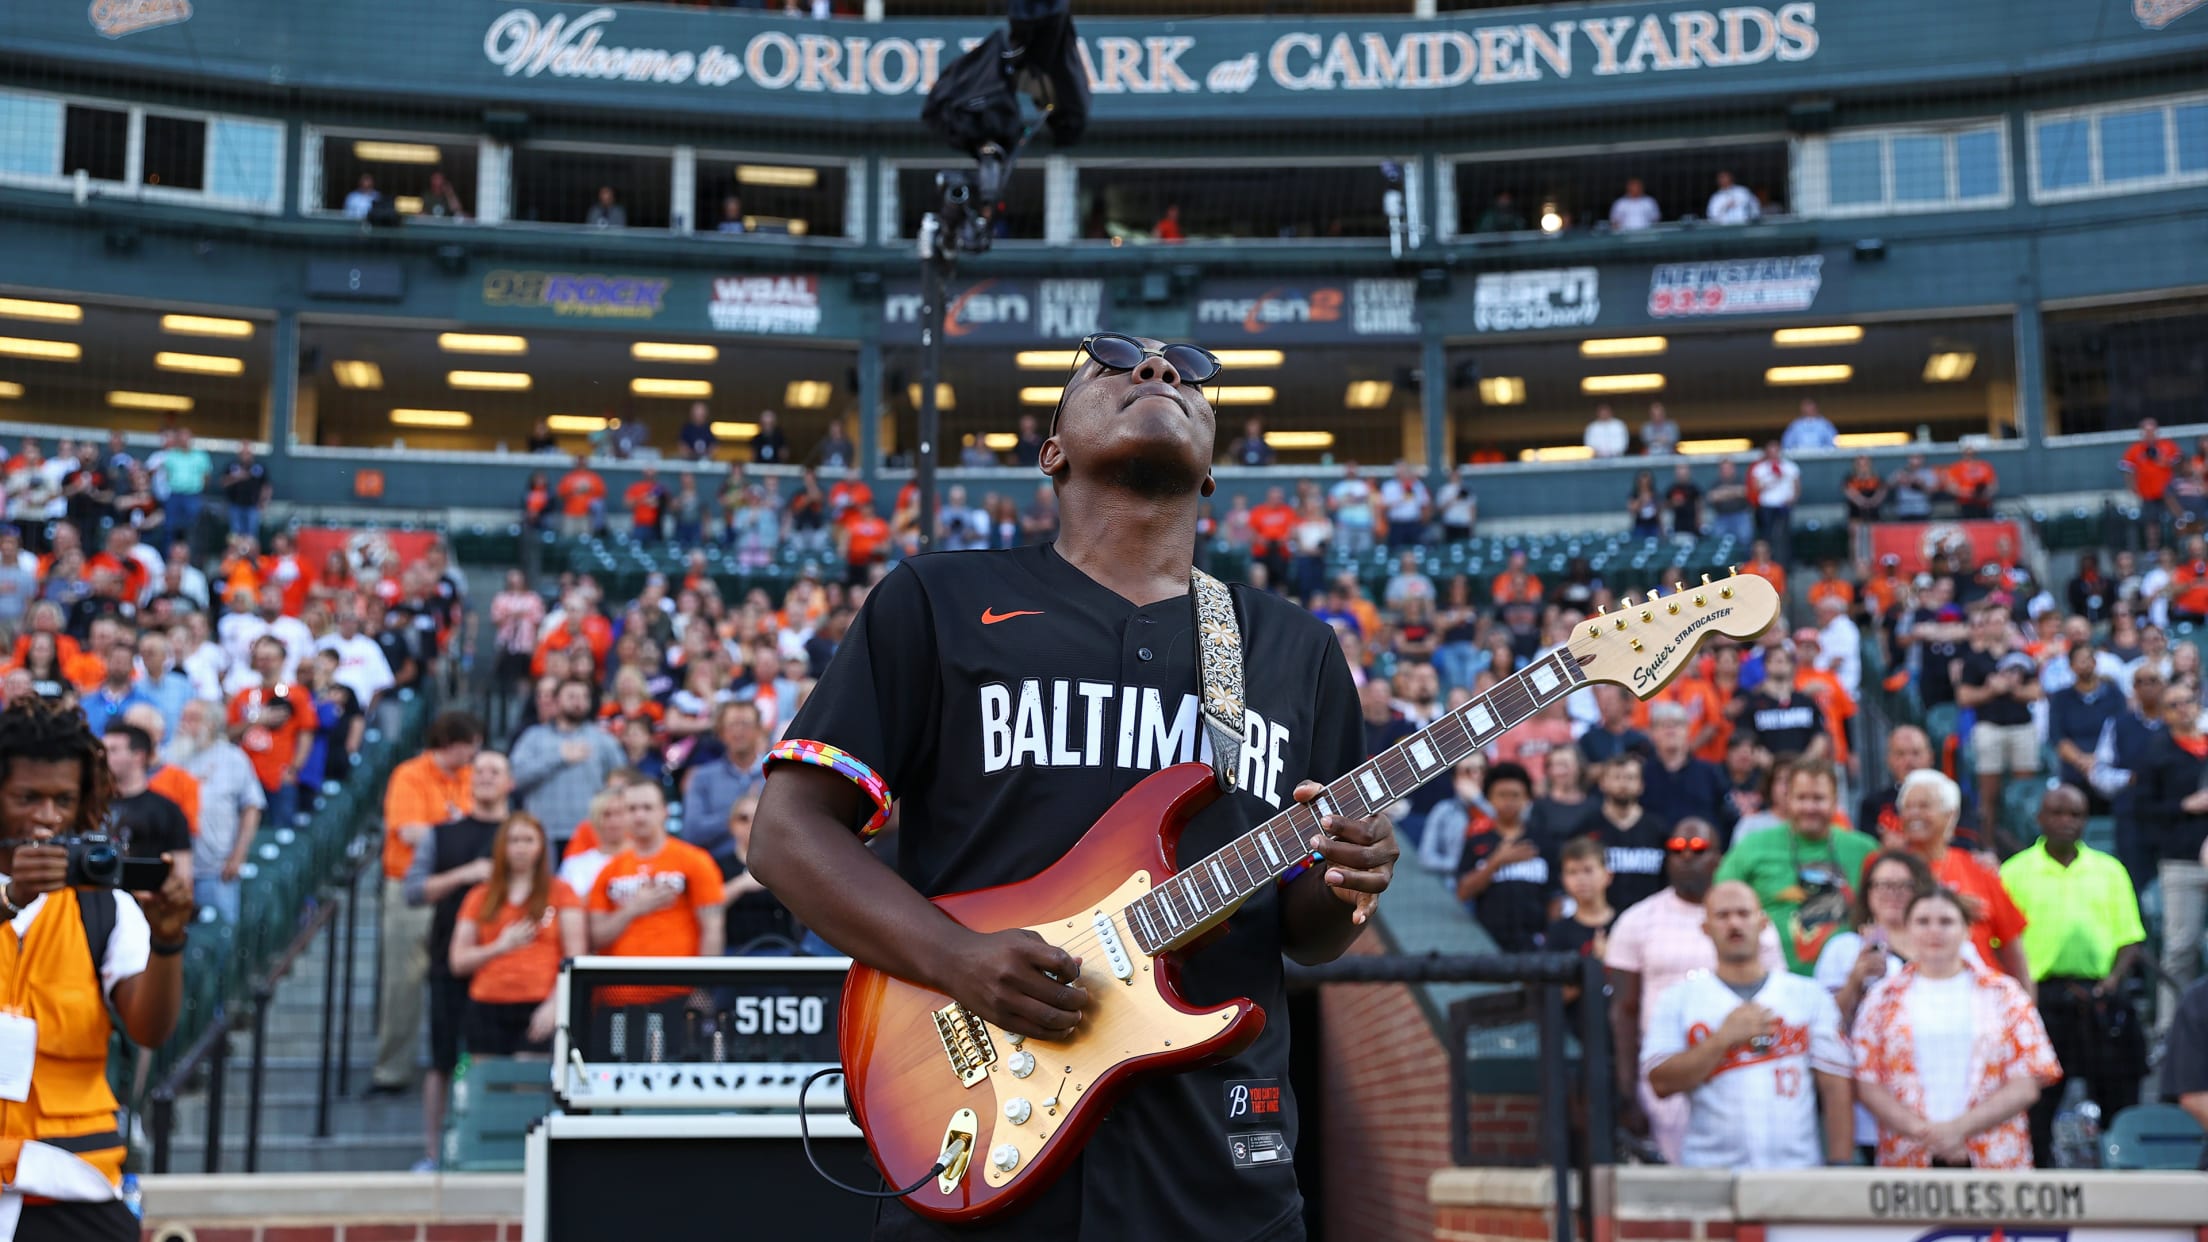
<point>1772,286</point>
<point>1531,301</point>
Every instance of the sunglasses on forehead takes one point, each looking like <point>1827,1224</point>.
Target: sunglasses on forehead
<point>1687,845</point>
<point>1116,351</point>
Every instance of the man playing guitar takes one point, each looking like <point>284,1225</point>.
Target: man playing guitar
<point>1004,700</point>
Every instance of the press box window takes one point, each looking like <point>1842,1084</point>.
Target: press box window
<point>1021,220</point>
<point>1255,201</point>
<point>1874,172</point>
<point>2124,148</point>
<point>401,166</point>
<point>176,152</point>
<point>559,186</point>
<point>773,198</point>
<point>96,140</point>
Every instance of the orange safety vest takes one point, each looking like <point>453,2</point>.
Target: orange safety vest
<point>51,978</point>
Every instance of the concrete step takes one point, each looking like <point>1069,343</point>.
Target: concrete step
<point>340,1153</point>
<point>288,1116</point>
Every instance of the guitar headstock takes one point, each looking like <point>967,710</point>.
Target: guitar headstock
<point>1643,645</point>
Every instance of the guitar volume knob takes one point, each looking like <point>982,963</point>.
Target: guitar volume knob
<point>1017,1110</point>
<point>1005,1157</point>
<point>1021,1063</point>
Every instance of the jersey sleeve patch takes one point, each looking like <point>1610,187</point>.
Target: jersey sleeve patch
<point>837,759</point>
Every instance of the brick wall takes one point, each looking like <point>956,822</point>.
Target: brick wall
<point>1385,1110</point>
<point>1497,1224</point>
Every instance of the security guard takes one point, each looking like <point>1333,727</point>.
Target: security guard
<point>61,1153</point>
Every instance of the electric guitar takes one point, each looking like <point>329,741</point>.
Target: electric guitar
<point>932,1084</point>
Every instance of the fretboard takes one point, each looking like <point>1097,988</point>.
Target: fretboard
<point>1209,889</point>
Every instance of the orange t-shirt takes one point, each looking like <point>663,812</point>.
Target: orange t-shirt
<point>1994,917</point>
<point>1831,588</point>
<point>1883,592</point>
<point>2151,467</point>
<point>865,535</point>
<point>1771,570</point>
<point>132,573</point>
<point>287,573</point>
<point>670,932</point>
<point>643,501</point>
<point>584,841</point>
<point>1834,701</point>
<point>579,490</point>
<point>1510,588</point>
<point>528,974</point>
<point>419,792</point>
<point>1270,525</point>
<point>180,787</point>
<point>65,649</point>
<point>1967,479</point>
<point>271,750</point>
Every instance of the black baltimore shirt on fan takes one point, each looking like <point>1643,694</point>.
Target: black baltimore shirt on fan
<point>1006,699</point>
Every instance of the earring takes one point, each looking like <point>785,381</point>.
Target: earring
<point>1210,485</point>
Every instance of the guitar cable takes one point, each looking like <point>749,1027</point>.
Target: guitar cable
<point>951,1152</point>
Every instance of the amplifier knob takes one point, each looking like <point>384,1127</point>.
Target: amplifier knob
<point>1006,1157</point>
<point>1021,1063</point>
<point>1018,1110</point>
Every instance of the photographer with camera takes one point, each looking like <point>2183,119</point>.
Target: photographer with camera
<point>85,957</point>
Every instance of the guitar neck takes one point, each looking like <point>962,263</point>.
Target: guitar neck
<point>1206,892</point>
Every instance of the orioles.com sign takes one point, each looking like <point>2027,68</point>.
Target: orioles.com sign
<point>587,47</point>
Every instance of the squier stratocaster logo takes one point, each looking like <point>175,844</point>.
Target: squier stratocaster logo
<point>1652,672</point>
<point>2155,14</point>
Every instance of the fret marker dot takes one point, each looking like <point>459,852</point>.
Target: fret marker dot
<point>1544,679</point>
<point>1482,721</point>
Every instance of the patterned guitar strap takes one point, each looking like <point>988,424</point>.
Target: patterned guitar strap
<point>1219,665</point>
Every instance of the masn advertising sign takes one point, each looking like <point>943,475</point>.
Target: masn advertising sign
<point>1000,311</point>
<point>1334,311</point>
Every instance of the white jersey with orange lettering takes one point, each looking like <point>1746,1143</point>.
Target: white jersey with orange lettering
<point>1758,1108</point>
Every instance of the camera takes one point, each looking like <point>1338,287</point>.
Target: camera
<point>970,200</point>
<point>96,861</point>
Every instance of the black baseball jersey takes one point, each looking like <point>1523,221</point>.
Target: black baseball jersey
<point>1005,700</point>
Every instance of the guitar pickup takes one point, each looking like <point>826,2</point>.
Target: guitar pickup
<point>1115,953</point>
<point>966,1042</point>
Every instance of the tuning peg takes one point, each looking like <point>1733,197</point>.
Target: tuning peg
<point>1672,606</point>
<point>1648,614</point>
<point>1701,601</point>
<point>1732,571</point>
<point>1677,587</point>
<point>1636,644</point>
<point>1628,603</point>
<point>1621,621</point>
<point>1594,631</point>
<point>1725,592</point>
<point>1599,609</point>
<point>1705,580</point>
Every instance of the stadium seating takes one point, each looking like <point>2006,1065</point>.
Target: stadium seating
<point>2152,1136</point>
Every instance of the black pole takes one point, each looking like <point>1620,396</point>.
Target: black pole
<point>375,1003</point>
<point>329,1006</point>
<point>1556,1139</point>
<point>217,1074</point>
<point>164,1120</point>
<point>345,1011</point>
<point>934,277</point>
<point>1594,1044</point>
<point>262,994</point>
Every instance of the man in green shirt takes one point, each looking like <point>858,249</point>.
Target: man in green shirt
<point>1806,870</point>
<point>2083,938</point>
<point>185,466</point>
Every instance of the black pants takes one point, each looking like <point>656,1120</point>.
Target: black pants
<point>2099,1043</point>
<point>78,1222</point>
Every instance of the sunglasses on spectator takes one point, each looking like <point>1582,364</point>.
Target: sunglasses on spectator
<point>1687,845</point>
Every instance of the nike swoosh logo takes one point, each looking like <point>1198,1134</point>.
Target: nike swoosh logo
<point>990,616</point>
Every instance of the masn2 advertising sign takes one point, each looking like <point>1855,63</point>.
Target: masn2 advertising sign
<point>1735,287</point>
<point>1351,310</point>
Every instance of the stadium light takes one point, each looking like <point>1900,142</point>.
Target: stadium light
<point>481,343</point>
<point>673,351</point>
<point>1559,452</point>
<point>1246,394</point>
<point>1947,368</point>
<point>431,418</point>
<point>199,364</point>
<point>1827,373</point>
<point>946,397</point>
<point>1871,439</point>
<point>1600,385</point>
<point>575,424</point>
<point>490,381</point>
<point>1552,220</point>
<point>647,386</point>
<point>1000,441</point>
<point>807,394</point>
<point>10,390</point>
<point>1695,448</point>
<point>1367,394</point>
<point>735,431</point>
<point>1299,439</point>
<point>1838,334</point>
<point>407,204</point>
<point>1623,347</point>
<point>206,325</point>
<point>1503,390</point>
<point>1250,359</point>
<point>48,351</point>
<point>167,402</point>
<point>353,373</point>
<point>784,176</point>
<point>1045,359</point>
<point>53,312</point>
<point>397,153</point>
<point>1040,396</point>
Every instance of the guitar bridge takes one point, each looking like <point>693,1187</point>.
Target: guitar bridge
<point>966,1042</point>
